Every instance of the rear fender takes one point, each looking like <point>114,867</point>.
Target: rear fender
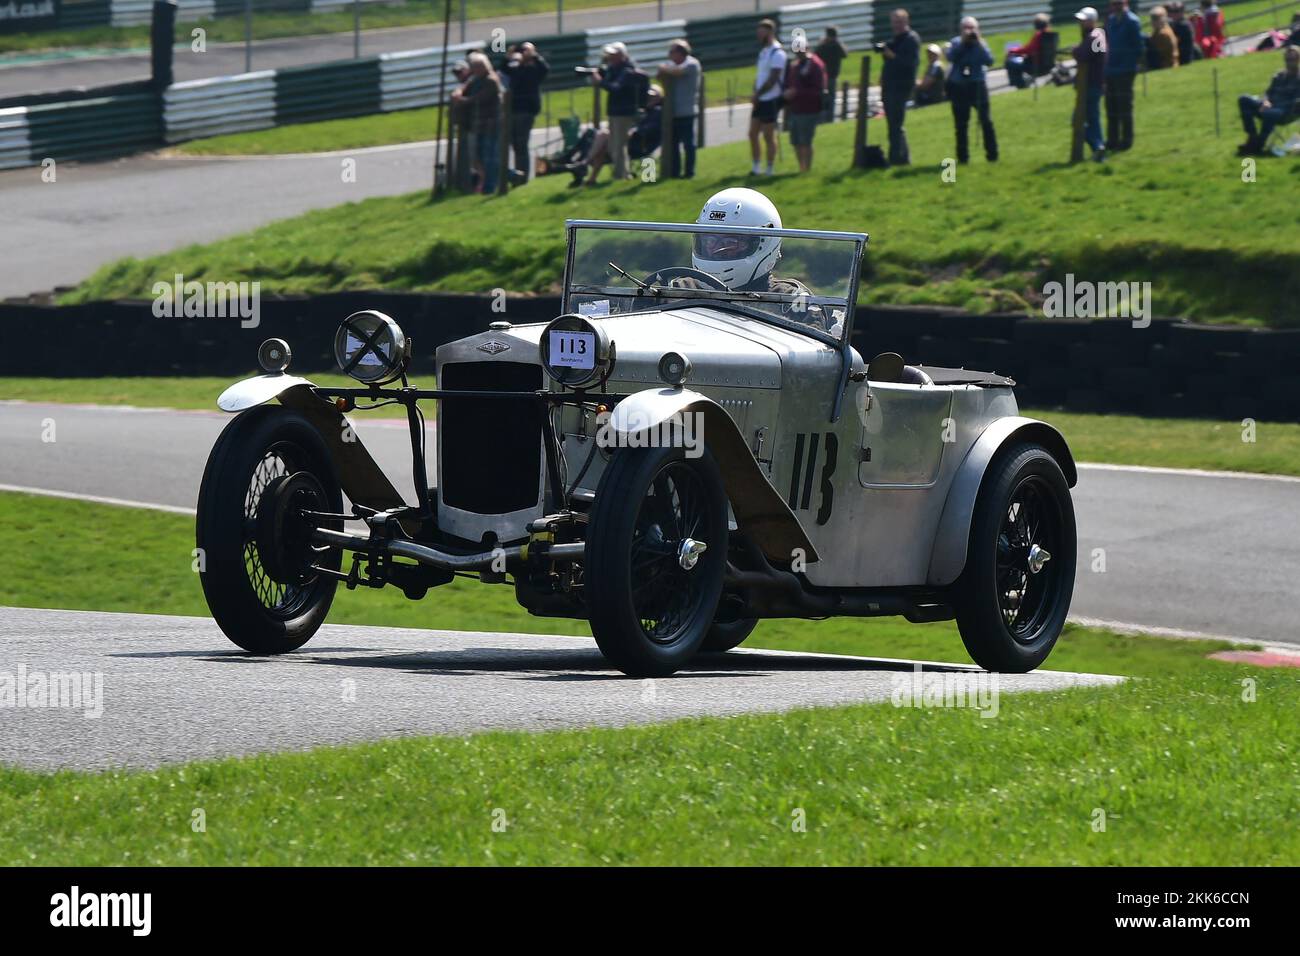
<point>761,513</point>
<point>950,544</point>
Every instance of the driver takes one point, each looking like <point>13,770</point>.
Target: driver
<point>745,263</point>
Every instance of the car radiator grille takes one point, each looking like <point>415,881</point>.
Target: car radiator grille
<point>491,450</point>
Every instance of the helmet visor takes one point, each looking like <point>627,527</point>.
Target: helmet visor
<point>716,247</point>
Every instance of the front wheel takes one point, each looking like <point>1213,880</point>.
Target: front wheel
<point>258,564</point>
<point>1013,595</point>
<point>655,558</point>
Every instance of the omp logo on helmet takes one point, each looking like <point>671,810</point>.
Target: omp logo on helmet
<point>494,348</point>
<point>718,214</point>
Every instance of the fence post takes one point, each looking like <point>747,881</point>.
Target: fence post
<point>356,29</point>
<point>844,100</point>
<point>1080,112</point>
<point>667,144</point>
<point>860,131</point>
<point>248,36</point>
<point>595,106</point>
<point>503,144</point>
<point>161,32</point>
<point>1215,71</point>
<point>699,116</point>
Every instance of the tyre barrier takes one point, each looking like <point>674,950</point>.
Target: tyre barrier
<point>1169,368</point>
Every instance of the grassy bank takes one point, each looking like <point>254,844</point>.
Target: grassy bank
<point>1161,756</point>
<point>988,241</point>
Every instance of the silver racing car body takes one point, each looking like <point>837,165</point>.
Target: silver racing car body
<point>670,459</point>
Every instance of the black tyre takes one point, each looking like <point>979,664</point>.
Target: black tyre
<point>268,464</point>
<point>1014,593</point>
<point>724,636</point>
<point>650,607</point>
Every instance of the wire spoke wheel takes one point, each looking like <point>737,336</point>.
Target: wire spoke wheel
<point>665,593</point>
<point>259,575</point>
<point>1014,593</point>
<point>655,558</point>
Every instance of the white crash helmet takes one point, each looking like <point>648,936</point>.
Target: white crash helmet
<point>737,261</point>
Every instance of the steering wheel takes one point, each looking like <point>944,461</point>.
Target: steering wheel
<point>662,276</point>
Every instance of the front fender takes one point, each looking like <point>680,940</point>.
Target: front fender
<point>257,391</point>
<point>950,544</point>
<point>761,512</point>
<point>362,479</point>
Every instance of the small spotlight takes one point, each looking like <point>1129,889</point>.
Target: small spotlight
<point>274,356</point>
<point>674,368</point>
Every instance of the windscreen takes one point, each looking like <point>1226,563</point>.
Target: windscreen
<point>801,281</point>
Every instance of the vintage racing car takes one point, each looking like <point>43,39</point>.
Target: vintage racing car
<point>692,446</point>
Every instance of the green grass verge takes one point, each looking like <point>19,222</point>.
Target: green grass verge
<point>988,241</point>
<point>1162,756</point>
<point>1112,439</point>
<point>1185,771</point>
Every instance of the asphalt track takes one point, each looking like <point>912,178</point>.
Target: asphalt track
<point>38,73</point>
<point>174,689</point>
<point>1202,553</point>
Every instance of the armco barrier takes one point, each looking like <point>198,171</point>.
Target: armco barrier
<point>852,17</point>
<point>720,42</point>
<point>328,91</point>
<point>226,104</point>
<point>1168,369</point>
<point>95,128</point>
<point>15,139</point>
<point>647,43</point>
<point>410,78</point>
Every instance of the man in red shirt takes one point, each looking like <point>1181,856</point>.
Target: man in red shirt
<point>805,87</point>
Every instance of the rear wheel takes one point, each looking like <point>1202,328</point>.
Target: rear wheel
<point>257,558</point>
<point>1013,596</point>
<point>724,636</point>
<point>656,553</point>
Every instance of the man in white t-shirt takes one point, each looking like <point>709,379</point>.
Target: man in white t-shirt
<point>767,94</point>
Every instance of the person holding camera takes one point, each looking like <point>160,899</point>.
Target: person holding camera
<point>524,70</point>
<point>902,53</point>
<point>970,58</point>
<point>622,81</point>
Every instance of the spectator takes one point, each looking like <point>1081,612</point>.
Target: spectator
<point>1276,39</point>
<point>1162,44</point>
<point>684,71</point>
<point>805,87</point>
<point>767,95</point>
<point>461,119</point>
<point>623,84</point>
<point>1208,22</point>
<point>902,53</point>
<point>1279,104</point>
<point>1025,57</point>
<point>481,95</point>
<point>1294,39</point>
<point>832,54</point>
<point>1123,51</point>
<point>1187,51</point>
<point>1091,52</point>
<point>642,139</point>
<point>969,58</point>
<point>525,70</point>
<point>930,89</point>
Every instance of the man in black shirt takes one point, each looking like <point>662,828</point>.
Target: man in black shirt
<point>832,54</point>
<point>524,69</point>
<point>902,53</point>
<point>1183,31</point>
